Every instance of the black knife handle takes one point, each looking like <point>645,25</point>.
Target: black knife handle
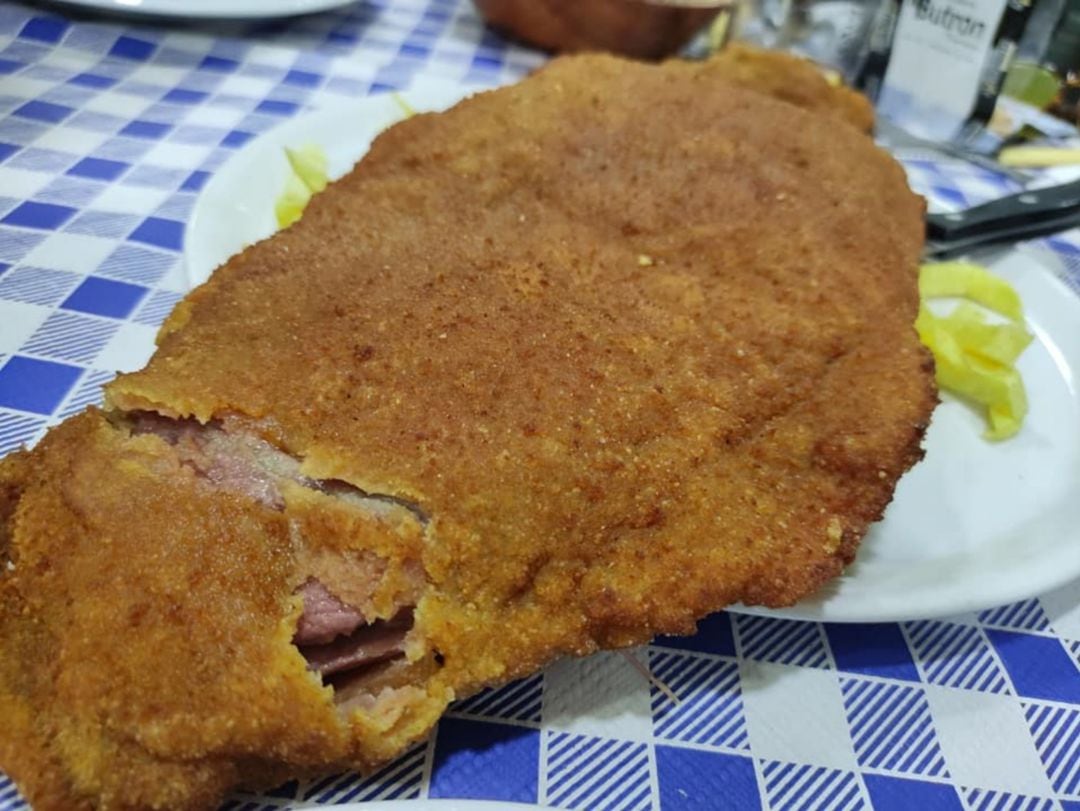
<point>944,249</point>
<point>1029,212</point>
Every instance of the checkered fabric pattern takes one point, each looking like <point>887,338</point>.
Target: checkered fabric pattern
<point>108,131</point>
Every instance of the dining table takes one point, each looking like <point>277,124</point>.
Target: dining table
<point>114,118</point>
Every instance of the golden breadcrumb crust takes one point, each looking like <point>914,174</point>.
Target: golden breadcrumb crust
<point>636,342</point>
<point>788,77</point>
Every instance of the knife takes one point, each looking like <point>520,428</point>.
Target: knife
<point>899,141</point>
<point>1025,215</point>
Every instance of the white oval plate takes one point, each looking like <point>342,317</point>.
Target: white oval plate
<point>975,524</point>
<point>207,9</point>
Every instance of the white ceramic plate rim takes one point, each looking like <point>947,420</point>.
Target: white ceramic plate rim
<point>204,9</point>
<point>1036,553</point>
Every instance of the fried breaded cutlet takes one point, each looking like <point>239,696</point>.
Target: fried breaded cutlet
<point>792,79</point>
<point>573,364</point>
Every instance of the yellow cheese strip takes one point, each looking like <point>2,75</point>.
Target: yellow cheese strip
<point>406,108</point>
<point>973,282</point>
<point>290,205</point>
<point>964,368</point>
<point>1001,343</point>
<point>309,164</point>
<point>307,176</point>
<point>1038,156</point>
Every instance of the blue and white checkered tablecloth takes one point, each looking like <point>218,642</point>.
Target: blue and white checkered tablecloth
<point>109,129</point>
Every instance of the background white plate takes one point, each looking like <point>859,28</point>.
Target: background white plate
<point>975,524</point>
<point>219,9</point>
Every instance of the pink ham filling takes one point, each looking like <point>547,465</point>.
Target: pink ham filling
<point>337,638</point>
<point>232,460</point>
<point>325,617</point>
<point>368,645</point>
<point>333,637</point>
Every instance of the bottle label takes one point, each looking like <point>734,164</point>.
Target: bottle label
<point>939,54</point>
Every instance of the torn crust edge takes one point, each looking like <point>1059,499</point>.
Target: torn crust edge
<point>379,661</point>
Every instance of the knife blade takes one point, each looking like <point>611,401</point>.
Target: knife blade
<point>900,142</point>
